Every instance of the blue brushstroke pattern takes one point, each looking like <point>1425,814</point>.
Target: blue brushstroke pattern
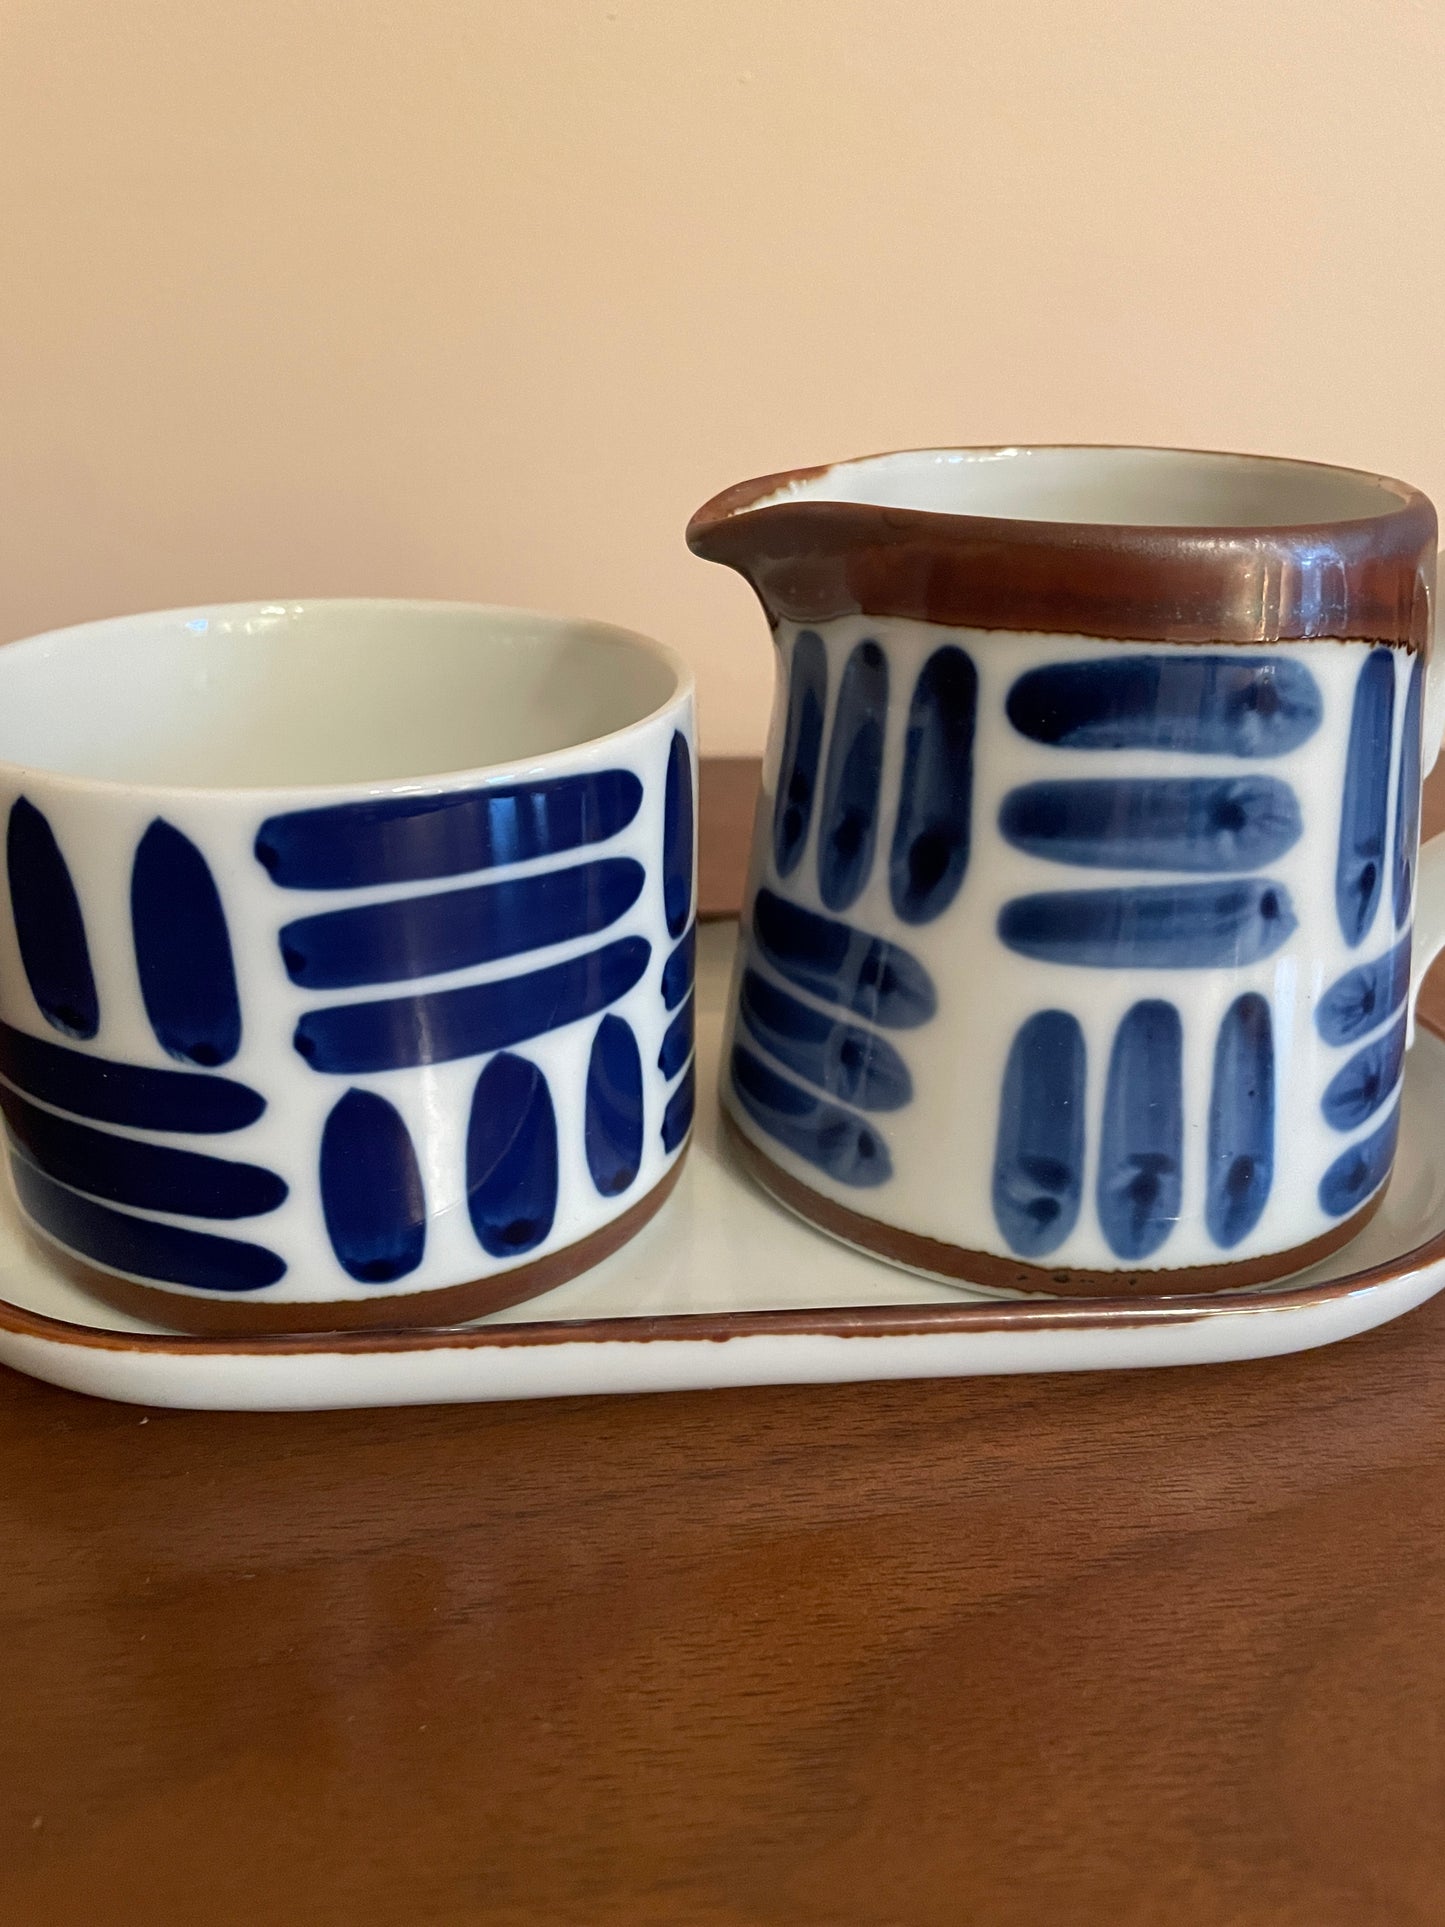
<point>1360,867</point>
<point>435,1027</point>
<point>411,839</point>
<point>1365,996</point>
<point>1038,1166</point>
<point>1202,823</point>
<point>1141,1148</point>
<point>677,1042</point>
<point>677,837</point>
<point>1368,1080</point>
<point>48,925</point>
<point>1240,1168</point>
<point>511,1158</point>
<point>183,950</point>
<point>1206,705</point>
<point>613,1118</point>
<point>848,824</point>
<point>802,750</point>
<point>1183,926</point>
<point>143,1246</point>
<point>846,1061</point>
<point>843,964</point>
<point>849,1150</point>
<point>1359,1172</point>
<point>935,800</point>
<point>126,1170</point>
<point>677,1118</point>
<point>678,970</point>
<point>371,1190</point>
<point>132,1094</point>
<point>1407,795</point>
<point>384,943</point>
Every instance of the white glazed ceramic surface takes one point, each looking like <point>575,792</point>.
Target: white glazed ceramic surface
<point>393,904</point>
<point>725,1288</point>
<point>930,1154</point>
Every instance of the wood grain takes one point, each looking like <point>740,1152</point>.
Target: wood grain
<point>1126,1649</point>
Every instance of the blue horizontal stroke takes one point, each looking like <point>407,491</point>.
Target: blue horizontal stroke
<point>1185,926</point>
<point>1365,996</point>
<point>410,839</point>
<point>677,1117</point>
<point>843,964</point>
<point>677,1042</point>
<point>1230,705</point>
<point>112,1093</point>
<point>842,1059</point>
<point>126,1170</point>
<point>402,1032</point>
<point>677,971</point>
<point>1194,823</point>
<point>1359,1172</point>
<point>1038,1168</point>
<point>49,927</point>
<point>142,1246</point>
<point>1360,1087</point>
<point>384,943</point>
<point>847,1148</point>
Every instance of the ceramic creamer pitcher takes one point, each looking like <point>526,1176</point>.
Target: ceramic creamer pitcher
<point>1077,946</point>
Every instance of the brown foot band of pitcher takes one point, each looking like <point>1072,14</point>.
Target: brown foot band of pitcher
<point>215,1317</point>
<point>955,1265</point>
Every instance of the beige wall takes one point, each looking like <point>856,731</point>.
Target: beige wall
<point>480,298</point>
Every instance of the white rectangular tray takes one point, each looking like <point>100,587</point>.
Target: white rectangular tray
<point>726,1288</point>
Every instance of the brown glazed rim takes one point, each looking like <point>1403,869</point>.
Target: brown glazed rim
<point>850,1321</point>
<point>1368,578</point>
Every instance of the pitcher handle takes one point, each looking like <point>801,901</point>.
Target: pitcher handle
<point>1429,936</point>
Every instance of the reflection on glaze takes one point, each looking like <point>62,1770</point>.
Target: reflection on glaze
<point>849,1150</point>
<point>1241,1122</point>
<point>511,1158</point>
<point>1207,705</point>
<point>1359,1172</point>
<point>383,943</point>
<point>935,802</point>
<point>1141,1150</point>
<point>612,1130</point>
<point>1180,926</point>
<point>1360,1087</point>
<point>802,750</point>
<point>1141,823</point>
<point>1038,1168</point>
<point>1407,796</point>
<point>842,1059</point>
<point>371,1190</point>
<point>410,839</point>
<point>848,825</point>
<point>843,964</point>
<point>1360,868</point>
<point>435,1027</point>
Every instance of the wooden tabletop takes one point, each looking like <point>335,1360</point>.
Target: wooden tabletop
<point>1137,1649</point>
